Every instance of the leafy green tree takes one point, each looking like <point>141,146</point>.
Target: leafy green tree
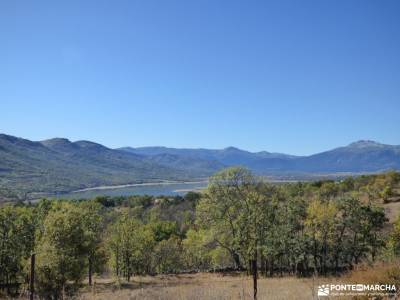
<point>218,210</point>
<point>320,223</point>
<point>197,247</point>
<point>168,256</point>
<point>386,193</point>
<point>235,209</point>
<point>357,232</point>
<point>93,224</point>
<point>163,230</point>
<point>286,232</point>
<point>393,243</point>
<point>131,245</point>
<point>60,251</point>
<point>17,236</point>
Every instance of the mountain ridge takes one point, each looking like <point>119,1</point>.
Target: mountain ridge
<point>59,165</point>
<point>163,149</point>
<point>359,156</point>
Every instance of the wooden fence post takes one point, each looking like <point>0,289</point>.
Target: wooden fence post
<point>32,278</point>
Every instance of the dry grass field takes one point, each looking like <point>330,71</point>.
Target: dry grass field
<point>202,286</point>
<point>216,286</point>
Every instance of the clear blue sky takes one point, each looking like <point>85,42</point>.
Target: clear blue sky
<point>287,76</point>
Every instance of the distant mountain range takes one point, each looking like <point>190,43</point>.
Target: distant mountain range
<point>358,157</point>
<point>29,168</point>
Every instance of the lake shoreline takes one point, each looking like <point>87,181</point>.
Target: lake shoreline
<point>113,187</point>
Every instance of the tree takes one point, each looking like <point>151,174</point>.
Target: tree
<point>235,209</point>
<point>393,244</point>
<point>167,256</point>
<point>320,223</point>
<point>386,193</point>
<point>131,245</point>
<point>17,235</point>
<point>197,250</point>
<point>286,231</point>
<point>93,224</point>
<point>163,230</point>
<point>60,251</point>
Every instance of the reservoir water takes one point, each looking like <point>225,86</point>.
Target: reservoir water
<point>168,189</point>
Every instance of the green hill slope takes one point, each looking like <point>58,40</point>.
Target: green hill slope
<point>58,165</point>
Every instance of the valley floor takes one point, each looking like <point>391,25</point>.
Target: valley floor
<point>203,286</point>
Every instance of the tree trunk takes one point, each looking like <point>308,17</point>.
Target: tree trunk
<point>262,266</point>
<point>254,271</point>
<point>236,259</point>
<point>32,278</point>
<point>117,262</point>
<point>315,255</point>
<point>337,264</point>
<point>271,267</point>
<point>90,270</point>
<point>324,255</point>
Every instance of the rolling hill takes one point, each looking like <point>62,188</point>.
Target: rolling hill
<point>30,168</point>
<point>58,165</point>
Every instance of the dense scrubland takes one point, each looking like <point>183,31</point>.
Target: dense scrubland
<point>289,235</point>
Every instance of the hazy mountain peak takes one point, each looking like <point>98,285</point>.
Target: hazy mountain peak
<point>56,141</point>
<point>232,149</point>
<point>88,144</point>
<point>12,139</point>
<point>63,144</point>
<point>263,152</point>
<point>8,137</point>
<point>17,141</point>
<point>59,144</point>
<point>365,143</point>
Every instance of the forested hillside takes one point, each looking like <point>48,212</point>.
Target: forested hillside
<point>55,166</point>
<point>239,223</point>
<point>29,170</point>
